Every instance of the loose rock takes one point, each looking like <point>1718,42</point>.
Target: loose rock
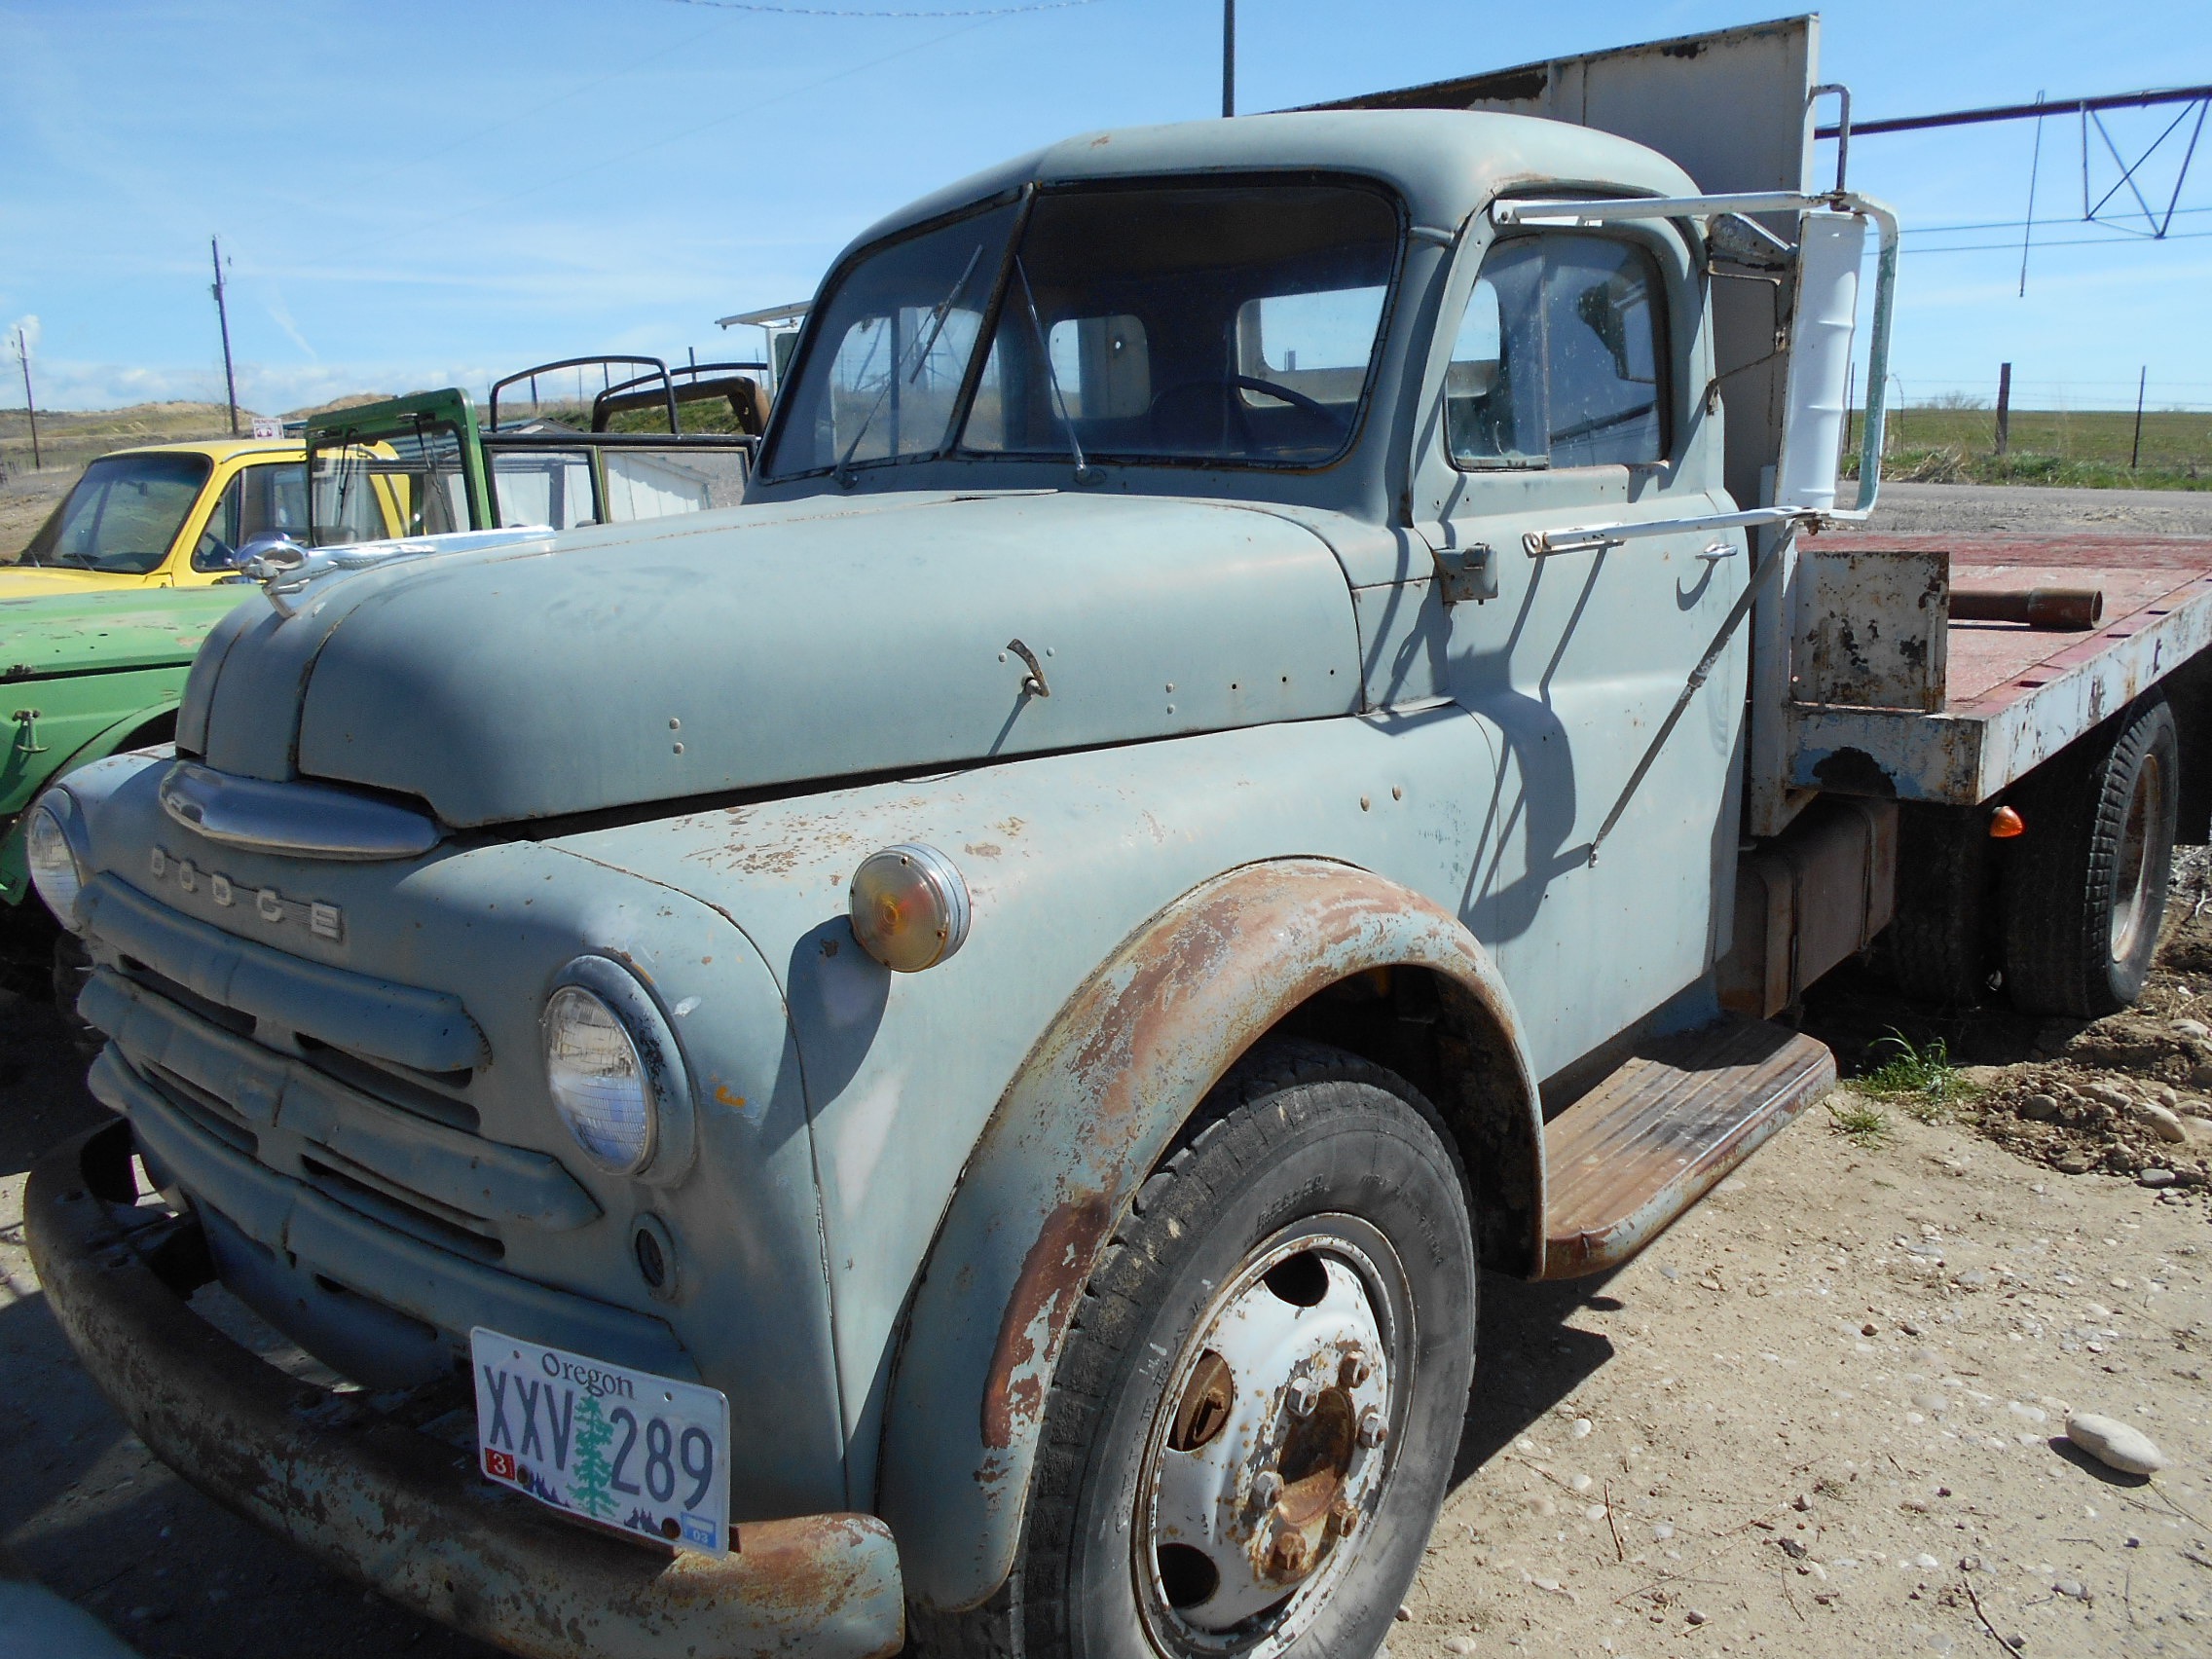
<point>2039,1107</point>
<point>2155,1177</point>
<point>2194,1029</point>
<point>1459,1645</point>
<point>2163,1123</point>
<point>2117,1445</point>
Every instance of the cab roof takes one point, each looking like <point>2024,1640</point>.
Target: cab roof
<point>1446,164</point>
<point>217,449</point>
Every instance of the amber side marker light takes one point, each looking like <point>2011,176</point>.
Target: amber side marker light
<point>908,906</point>
<point>2004,824</point>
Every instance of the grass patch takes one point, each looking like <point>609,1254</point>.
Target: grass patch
<point>1952,463</point>
<point>2174,440</point>
<point>1861,1122</point>
<point>1922,1080</point>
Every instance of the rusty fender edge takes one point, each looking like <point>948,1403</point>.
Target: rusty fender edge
<point>1079,1126</point>
<point>401,1512</point>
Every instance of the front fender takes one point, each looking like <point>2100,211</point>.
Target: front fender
<point>15,872</point>
<point>1085,1119</point>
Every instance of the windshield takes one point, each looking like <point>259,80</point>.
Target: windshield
<point>1220,323</point>
<point>122,516</point>
<point>399,483</point>
<point>892,346</point>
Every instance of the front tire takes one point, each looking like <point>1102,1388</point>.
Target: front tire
<point>1249,1433</point>
<point>2085,887</point>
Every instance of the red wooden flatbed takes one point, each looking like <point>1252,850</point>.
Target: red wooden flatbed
<point>2014,695</point>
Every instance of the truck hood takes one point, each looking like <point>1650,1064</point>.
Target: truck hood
<point>766,647</point>
<point>80,632</point>
<point>30,582</point>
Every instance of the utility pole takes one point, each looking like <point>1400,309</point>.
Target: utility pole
<point>23,357</point>
<point>2141,380</point>
<point>1228,58</point>
<point>223,316</point>
<point>2003,408</point>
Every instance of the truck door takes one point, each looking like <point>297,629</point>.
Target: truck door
<point>1576,394</point>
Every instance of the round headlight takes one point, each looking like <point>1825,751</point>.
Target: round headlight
<point>598,1081</point>
<point>54,871</point>
<point>909,908</point>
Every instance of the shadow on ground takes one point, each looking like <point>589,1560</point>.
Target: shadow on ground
<point>84,1506</point>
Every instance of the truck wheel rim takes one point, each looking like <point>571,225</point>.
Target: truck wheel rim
<point>1273,1441</point>
<point>2132,900</point>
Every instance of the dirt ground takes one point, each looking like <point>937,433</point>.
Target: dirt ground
<point>1931,509</point>
<point>1821,1416</point>
<point>26,500</point>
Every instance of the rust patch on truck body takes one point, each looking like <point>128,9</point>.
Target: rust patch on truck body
<point>1089,1113</point>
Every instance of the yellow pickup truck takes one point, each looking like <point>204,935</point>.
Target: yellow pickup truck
<point>167,515</point>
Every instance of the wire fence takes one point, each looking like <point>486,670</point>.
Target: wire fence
<point>2054,431</point>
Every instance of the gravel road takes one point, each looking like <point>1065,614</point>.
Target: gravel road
<point>1821,1416</point>
<point>1931,509</point>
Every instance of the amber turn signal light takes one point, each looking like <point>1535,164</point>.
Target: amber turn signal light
<point>2004,824</point>
<point>909,908</point>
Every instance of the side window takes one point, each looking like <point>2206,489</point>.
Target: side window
<point>1317,343</point>
<point>217,546</point>
<point>1102,365</point>
<point>1559,358</point>
<point>270,500</point>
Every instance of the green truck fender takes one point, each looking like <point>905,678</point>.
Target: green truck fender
<point>1092,1109</point>
<point>149,724</point>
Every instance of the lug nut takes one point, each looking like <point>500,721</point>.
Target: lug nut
<point>1289,1556</point>
<point>1373,1430</point>
<point>1301,1396</point>
<point>1343,1519</point>
<point>1354,1371</point>
<point>1266,1487</point>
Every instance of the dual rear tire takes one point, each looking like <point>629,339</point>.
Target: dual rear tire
<point>2067,916</point>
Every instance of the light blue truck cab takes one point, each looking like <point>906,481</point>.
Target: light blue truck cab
<point>1198,799</point>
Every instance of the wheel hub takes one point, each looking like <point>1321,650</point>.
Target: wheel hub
<point>1276,1442</point>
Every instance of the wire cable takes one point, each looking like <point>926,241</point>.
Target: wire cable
<point>882,17</point>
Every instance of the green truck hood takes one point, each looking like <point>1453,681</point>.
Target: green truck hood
<point>767,646</point>
<point>93,632</point>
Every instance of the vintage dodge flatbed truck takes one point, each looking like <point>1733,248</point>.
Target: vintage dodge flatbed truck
<point>950,1041</point>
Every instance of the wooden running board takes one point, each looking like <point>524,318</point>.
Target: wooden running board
<point>1653,1138</point>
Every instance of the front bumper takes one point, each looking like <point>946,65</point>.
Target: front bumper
<point>403,1512</point>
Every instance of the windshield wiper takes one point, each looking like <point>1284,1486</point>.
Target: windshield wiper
<point>1051,375</point>
<point>842,472</point>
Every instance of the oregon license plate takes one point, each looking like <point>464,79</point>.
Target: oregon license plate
<point>647,1454</point>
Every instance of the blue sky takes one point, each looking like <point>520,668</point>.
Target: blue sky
<point>419,193</point>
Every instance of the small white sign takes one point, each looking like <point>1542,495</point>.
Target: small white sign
<point>266,428</point>
<point>647,1454</point>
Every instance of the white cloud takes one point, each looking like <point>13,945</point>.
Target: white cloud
<point>274,305</point>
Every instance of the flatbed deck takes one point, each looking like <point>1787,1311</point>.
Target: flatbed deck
<point>2013,695</point>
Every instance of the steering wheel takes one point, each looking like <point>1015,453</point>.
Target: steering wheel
<point>1288,395</point>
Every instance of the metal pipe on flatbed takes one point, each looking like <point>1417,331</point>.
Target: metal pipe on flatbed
<point>2067,610</point>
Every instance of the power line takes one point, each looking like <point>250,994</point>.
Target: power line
<point>882,17</point>
<point>2014,224</point>
<point>569,175</point>
<point>2076,242</point>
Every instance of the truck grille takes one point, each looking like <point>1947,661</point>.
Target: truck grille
<point>380,1191</point>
